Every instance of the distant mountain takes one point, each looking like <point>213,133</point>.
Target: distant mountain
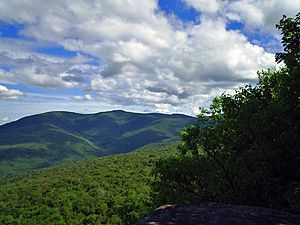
<point>55,137</point>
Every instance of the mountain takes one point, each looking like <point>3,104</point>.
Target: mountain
<point>55,137</point>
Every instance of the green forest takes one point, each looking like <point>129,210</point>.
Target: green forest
<point>243,149</point>
<point>106,190</point>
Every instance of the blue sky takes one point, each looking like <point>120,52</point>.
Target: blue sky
<point>136,55</point>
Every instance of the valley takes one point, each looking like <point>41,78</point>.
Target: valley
<point>107,190</point>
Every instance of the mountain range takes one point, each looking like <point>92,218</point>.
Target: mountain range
<point>57,137</point>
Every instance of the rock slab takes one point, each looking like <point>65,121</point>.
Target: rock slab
<point>218,214</point>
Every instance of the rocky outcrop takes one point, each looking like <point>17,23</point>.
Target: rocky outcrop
<point>218,214</point>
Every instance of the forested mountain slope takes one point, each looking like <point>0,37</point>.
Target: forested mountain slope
<point>50,138</point>
<point>107,190</point>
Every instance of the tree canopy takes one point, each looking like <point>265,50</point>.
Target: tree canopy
<point>245,148</point>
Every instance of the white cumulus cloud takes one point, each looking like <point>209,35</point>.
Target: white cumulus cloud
<point>142,57</point>
<point>12,94</point>
<point>256,14</point>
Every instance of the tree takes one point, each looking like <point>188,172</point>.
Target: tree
<point>251,139</point>
<point>290,30</point>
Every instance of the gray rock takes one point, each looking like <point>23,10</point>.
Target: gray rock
<point>218,214</point>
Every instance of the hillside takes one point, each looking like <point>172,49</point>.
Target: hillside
<point>56,137</point>
<point>106,190</point>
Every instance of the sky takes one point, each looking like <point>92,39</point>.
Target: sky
<point>168,56</point>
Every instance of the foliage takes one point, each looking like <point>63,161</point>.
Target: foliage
<point>58,137</point>
<point>107,190</point>
<point>245,148</point>
<point>290,30</point>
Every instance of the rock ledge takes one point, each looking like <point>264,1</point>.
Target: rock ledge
<point>218,214</point>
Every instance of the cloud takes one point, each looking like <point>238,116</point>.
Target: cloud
<point>83,97</point>
<point>40,70</point>
<point>143,58</point>
<point>198,64</point>
<point>4,119</point>
<point>255,14</point>
<point>10,94</point>
<point>207,6</point>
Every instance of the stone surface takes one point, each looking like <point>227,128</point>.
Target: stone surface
<point>218,214</point>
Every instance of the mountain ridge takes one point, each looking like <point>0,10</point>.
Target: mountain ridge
<point>97,113</point>
<point>59,136</point>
